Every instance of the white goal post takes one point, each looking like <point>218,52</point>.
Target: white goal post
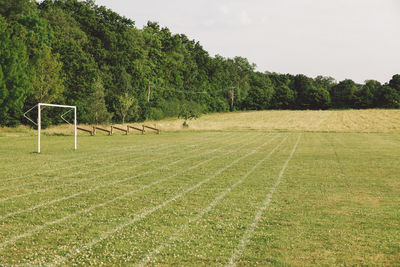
<point>39,119</point>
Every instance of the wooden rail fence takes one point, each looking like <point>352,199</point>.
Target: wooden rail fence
<point>126,131</point>
<point>135,128</point>
<point>85,130</point>
<point>120,129</point>
<point>152,128</point>
<point>101,129</point>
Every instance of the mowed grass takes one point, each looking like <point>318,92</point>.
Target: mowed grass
<point>202,198</point>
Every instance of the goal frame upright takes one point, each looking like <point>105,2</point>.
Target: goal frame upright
<point>39,120</point>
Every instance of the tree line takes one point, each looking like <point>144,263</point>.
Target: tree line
<point>78,53</point>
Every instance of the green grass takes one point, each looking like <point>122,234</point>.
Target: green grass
<point>201,198</point>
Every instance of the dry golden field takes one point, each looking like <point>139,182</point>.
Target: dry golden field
<point>372,120</point>
<point>358,121</point>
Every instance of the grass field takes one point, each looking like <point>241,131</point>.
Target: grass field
<point>243,197</point>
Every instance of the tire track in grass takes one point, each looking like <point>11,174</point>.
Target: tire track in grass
<point>144,214</point>
<point>145,260</point>
<point>77,165</point>
<point>247,235</point>
<point>43,204</point>
<point>41,227</point>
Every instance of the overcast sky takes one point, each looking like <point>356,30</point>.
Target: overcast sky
<point>356,39</point>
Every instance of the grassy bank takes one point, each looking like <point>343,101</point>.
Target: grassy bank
<point>363,121</point>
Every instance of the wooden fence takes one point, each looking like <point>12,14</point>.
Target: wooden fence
<point>152,128</point>
<point>85,130</point>
<point>126,131</point>
<point>101,129</point>
<point>135,128</point>
<point>120,129</point>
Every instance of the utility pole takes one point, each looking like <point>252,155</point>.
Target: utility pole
<point>232,97</point>
<point>148,91</point>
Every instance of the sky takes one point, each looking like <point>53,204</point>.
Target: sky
<point>344,39</point>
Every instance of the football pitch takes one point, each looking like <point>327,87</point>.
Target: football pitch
<point>201,198</point>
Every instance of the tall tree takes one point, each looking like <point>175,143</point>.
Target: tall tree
<point>125,102</point>
<point>343,94</point>
<point>79,69</point>
<point>301,84</point>
<point>316,98</point>
<point>10,9</point>
<point>395,82</point>
<point>325,82</point>
<point>15,84</point>
<point>388,97</point>
<point>47,82</point>
<point>101,56</point>
<point>260,93</point>
<point>283,98</point>
<point>98,110</point>
<point>367,96</point>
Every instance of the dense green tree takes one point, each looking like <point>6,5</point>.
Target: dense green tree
<point>316,98</point>
<point>10,9</point>
<point>388,97</point>
<point>14,84</point>
<point>37,31</point>
<point>76,52</point>
<point>189,111</point>
<point>47,82</point>
<point>301,84</point>
<point>3,89</point>
<point>260,93</point>
<point>366,97</point>
<point>395,82</point>
<point>283,98</point>
<point>124,103</point>
<point>312,94</point>
<point>240,70</point>
<point>79,69</point>
<point>343,94</point>
<point>98,111</point>
<point>325,82</point>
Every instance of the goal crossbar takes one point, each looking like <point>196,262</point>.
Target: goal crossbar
<point>39,119</point>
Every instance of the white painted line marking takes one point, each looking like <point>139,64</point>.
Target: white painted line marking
<point>55,168</point>
<point>247,235</point>
<point>39,228</point>
<point>117,161</point>
<point>185,227</point>
<point>145,213</point>
<point>43,204</point>
<point>101,155</point>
